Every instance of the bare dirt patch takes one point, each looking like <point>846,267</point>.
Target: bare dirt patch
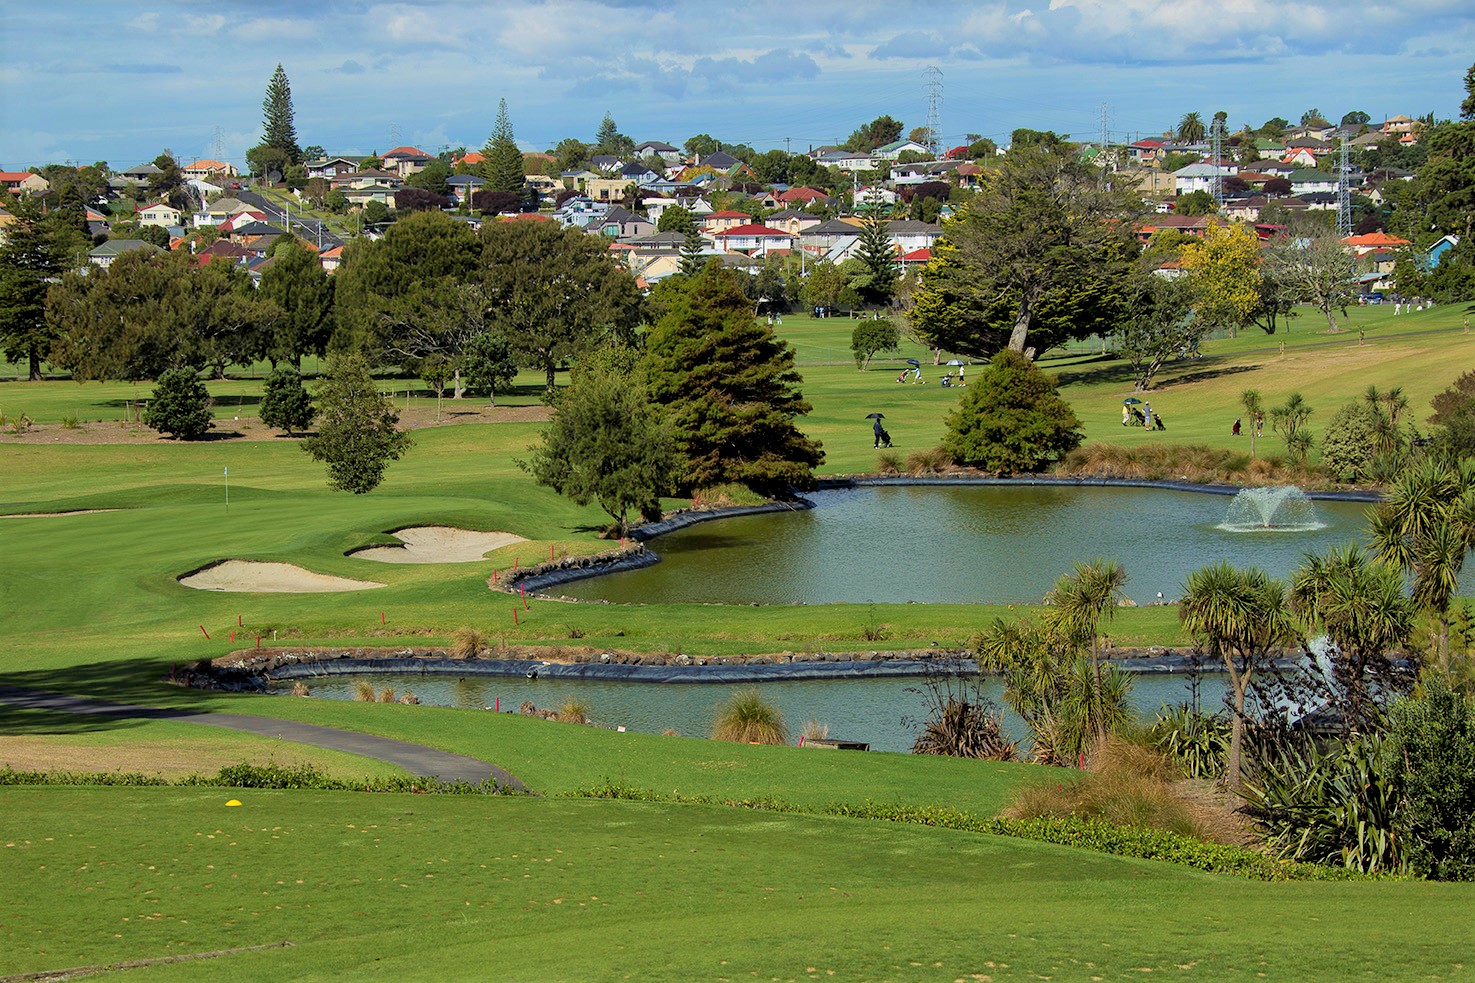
<point>438,544</point>
<point>251,577</point>
<point>167,759</point>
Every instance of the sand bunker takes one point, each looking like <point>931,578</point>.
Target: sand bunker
<point>438,544</point>
<point>250,577</point>
<point>55,515</point>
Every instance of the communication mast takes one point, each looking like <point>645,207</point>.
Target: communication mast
<point>933,75</point>
<point>1344,194</point>
<point>1218,177</point>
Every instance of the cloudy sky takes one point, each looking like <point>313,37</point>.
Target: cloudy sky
<point>124,79</point>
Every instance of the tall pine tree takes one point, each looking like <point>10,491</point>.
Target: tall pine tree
<point>729,390</point>
<point>876,250</point>
<point>503,161</point>
<point>277,117</point>
<point>36,249</point>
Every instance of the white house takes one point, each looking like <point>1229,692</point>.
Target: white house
<point>1305,182</point>
<point>1200,176</point>
<point>895,149</point>
<point>163,215</point>
<point>753,239</point>
<point>847,160</point>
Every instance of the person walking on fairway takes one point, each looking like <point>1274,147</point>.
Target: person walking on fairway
<point>878,429</point>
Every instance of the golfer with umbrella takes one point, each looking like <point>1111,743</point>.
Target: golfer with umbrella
<point>1127,409</point>
<point>961,366</point>
<point>882,437</point>
<point>916,367</point>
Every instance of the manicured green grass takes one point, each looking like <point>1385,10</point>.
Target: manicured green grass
<point>445,888</point>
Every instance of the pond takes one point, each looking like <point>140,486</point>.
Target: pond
<point>883,712</point>
<point>968,544</point>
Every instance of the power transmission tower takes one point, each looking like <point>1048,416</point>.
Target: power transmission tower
<point>1218,177</point>
<point>933,75</point>
<point>1344,195</point>
<point>217,146</point>
<point>1104,160</point>
<point>393,135</point>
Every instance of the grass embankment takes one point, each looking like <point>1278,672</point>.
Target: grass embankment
<point>452,887</point>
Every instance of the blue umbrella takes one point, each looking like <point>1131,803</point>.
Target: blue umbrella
<point>913,361</point>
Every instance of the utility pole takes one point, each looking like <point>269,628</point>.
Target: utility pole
<point>1344,194</point>
<point>933,75</point>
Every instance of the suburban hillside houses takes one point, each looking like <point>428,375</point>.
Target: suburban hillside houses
<point>649,199</point>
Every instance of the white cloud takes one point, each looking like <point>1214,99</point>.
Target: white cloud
<point>275,29</point>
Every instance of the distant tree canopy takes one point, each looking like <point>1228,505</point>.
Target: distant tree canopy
<point>358,433</point>
<point>278,148</point>
<point>501,160</point>
<point>877,133</point>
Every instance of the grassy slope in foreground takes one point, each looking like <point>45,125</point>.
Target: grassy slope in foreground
<point>523,889</point>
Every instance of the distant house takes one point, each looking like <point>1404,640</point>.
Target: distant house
<point>1200,176</point>
<point>23,182</point>
<point>923,171</point>
<point>801,196</point>
<point>638,174</point>
<point>1147,151</point>
<point>896,148</point>
<point>1194,225</point>
<point>1436,252</point>
<point>722,221</point>
<point>656,148</point>
<point>911,235</point>
<point>621,223</point>
<point>161,214</point>
<point>1304,182</point>
<point>754,240</point>
<point>331,259</point>
<point>847,161</point>
<point>875,197</point>
<point>1301,157</point>
<point>331,167</point>
<point>204,170</point>
<point>606,162</point>
<point>917,257</point>
<point>405,161</point>
<point>1373,242</point>
<point>792,220</point>
<point>104,255</point>
<point>1397,126</point>
<point>463,186</point>
<point>580,212</point>
<point>606,188</point>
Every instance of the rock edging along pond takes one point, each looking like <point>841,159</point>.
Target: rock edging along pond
<point>252,669</point>
<point>539,579</point>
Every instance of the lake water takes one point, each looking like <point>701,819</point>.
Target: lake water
<point>959,544</point>
<point>885,712</point>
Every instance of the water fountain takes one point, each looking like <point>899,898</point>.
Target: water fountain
<point>1282,509</point>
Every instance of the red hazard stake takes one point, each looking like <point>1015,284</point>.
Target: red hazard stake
<point>381,618</point>
<point>238,622</point>
<point>514,561</point>
<point>550,552</point>
<point>522,590</point>
<point>514,614</point>
<point>258,641</point>
<point>233,636</point>
<point>494,576</point>
<point>497,705</point>
<point>205,633</point>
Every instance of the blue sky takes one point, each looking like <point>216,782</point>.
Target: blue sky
<point>124,79</point>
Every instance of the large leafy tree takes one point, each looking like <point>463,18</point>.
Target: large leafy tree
<point>1036,258</point>
<point>357,433</point>
<point>554,293</point>
<point>609,139</point>
<point>403,298</point>
<point>37,247</point>
<point>1315,270</point>
<point>1012,419</point>
<point>1223,271</point>
<point>730,391</point>
<point>1243,618</point>
<point>607,442</point>
<point>285,403</point>
<point>501,160</point>
<point>877,133</point>
<point>488,365</point>
<point>297,283</point>
<point>1159,325</point>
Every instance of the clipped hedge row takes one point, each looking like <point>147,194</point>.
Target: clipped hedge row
<point>303,776</point>
<point>1089,834</point>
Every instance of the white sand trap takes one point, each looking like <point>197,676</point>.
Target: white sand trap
<point>55,515</point>
<point>250,577</point>
<point>438,544</point>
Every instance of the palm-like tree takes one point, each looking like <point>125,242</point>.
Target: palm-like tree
<point>1077,604</point>
<point>1425,527</point>
<point>1362,607</point>
<point>1240,616</point>
<point>1191,128</point>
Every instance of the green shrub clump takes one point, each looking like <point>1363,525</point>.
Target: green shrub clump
<point>285,404</point>
<point>180,406</point>
<point>748,717</point>
<point>1349,445</point>
<point>1012,419</point>
<point>1432,747</point>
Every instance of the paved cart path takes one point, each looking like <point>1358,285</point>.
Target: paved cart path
<point>417,759</point>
